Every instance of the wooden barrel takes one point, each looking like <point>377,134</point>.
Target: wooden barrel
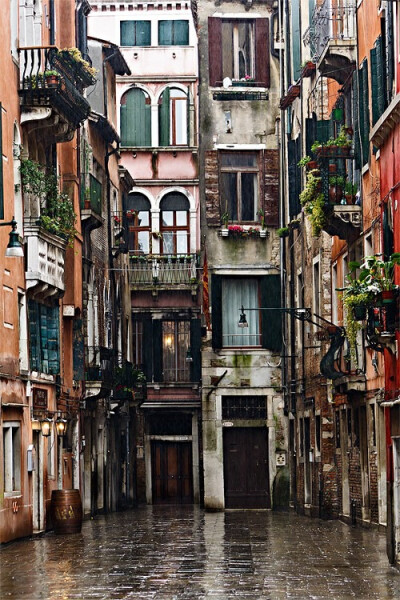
<point>66,511</point>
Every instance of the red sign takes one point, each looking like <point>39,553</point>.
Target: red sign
<point>39,398</point>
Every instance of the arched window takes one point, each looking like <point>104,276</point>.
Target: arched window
<point>175,223</point>
<point>138,223</point>
<point>173,117</point>
<point>135,118</point>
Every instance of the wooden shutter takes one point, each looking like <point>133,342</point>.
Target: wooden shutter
<point>216,310</point>
<point>157,350</point>
<point>271,335</point>
<point>53,345</point>
<point>147,348</point>
<point>181,33</point>
<point>1,166</point>
<point>165,33</point>
<point>137,119</point>
<point>296,38</point>
<point>262,52</point>
<point>215,50</point>
<point>78,350</point>
<point>164,119</point>
<point>34,335</point>
<point>143,33</point>
<point>294,177</point>
<point>195,346</point>
<point>124,125</point>
<point>127,30</point>
<point>364,110</point>
<point>374,86</point>
<point>356,121</point>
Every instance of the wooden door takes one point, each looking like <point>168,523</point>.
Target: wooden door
<point>171,468</point>
<point>246,468</point>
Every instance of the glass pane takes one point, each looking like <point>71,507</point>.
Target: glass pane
<point>227,49</point>
<point>249,197</point>
<point>181,242</point>
<point>144,242</point>
<point>168,242</point>
<point>167,217</point>
<point>229,195</point>
<point>143,219</point>
<point>180,119</point>
<point>244,49</point>
<point>183,337</point>
<point>238,159</point>
<point>181,218</point>
<point>236,293</point>
<point>168,347</point>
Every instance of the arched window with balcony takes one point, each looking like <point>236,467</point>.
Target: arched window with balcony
<point>137,217</point>
<point>135,118</point>
<point>173,117</point>
<point>174,208</point>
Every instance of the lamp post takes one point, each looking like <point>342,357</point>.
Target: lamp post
<point>14,247</point>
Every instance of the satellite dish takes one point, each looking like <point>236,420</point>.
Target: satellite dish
<point>227,82</point>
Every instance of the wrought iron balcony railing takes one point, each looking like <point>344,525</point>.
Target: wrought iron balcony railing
<point>163,270</point>
<point>333,20</point>
<point>99,364</point>
<point>44,83</point>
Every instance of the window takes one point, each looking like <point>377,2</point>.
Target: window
<point>135,33</point>
<point>316,289</point>
<point>236,293</point>
<point>44,345</point>
<point>135,118</point>
<point>12,456</point>
<point>50,452</point>
<point>228,294</point>
<point>138,223</point>
<point>238,47</point>
<point>239,185</point>
<point>173,117</point>
<point>378,80</point>
<point>173,33</point>
<point>138,342</point>
<point>175,223</point>
<point>96,193</point>
<point>175,344</point>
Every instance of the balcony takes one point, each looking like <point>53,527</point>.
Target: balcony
<point>331,37</point>
<point>98,371</point>
<point>50,90</point>
<point>164,272</point>
<point>91,199</point>
<point>382,324</point>
<point>344,221</point>
<point>45,255</point>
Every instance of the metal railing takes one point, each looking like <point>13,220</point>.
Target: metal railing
<point>331,20</point>
<point>99,364</point>
<point>163,270</point>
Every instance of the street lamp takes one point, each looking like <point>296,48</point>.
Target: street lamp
<point>45,426</point>
<point>303,314</point>
<point>61,426</point>
<point>14,246</point>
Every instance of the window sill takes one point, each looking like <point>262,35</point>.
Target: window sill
<point>243,233</point>
<point>17,494</point>
<point>192,149</point>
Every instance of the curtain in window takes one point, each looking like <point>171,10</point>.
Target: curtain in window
<point>236,293</point>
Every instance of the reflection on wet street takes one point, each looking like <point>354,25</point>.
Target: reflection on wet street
<point>183,552</point>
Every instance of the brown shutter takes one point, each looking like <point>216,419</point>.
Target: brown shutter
<point>271,188</point>
<point>262,51</point>
<point>213,211</point>
<point>214,50</point>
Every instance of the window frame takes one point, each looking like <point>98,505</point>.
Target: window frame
<point>180,370</point>
<point>12,458</point>
<point>175,228</point>
<point>168,120</point>
<point>235,48</point>
<point>242,333</point>
<point>240,170</point>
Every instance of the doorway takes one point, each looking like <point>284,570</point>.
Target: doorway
<point>171,468</point>
<point>246,467</point>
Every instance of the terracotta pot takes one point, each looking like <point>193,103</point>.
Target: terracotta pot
<point>312,165</point>
<point>332,168</point>
<point>387,296</point>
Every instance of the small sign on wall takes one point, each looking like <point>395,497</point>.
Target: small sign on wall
<point>39,398</point>
<point>280,459</point>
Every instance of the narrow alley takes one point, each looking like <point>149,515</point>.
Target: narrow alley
<point>183,552</point>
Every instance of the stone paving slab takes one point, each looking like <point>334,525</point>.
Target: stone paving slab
<point>184,553</point>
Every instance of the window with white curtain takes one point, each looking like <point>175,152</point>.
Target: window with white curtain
<point>12,456</point>
<point>238,292</point>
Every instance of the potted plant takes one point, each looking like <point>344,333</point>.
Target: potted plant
<point>314,202</point>
<point>225,221</point>
<point>378,274</point>
<point>282,232</point>
<point>52,78</point>
<point>336,185</point>
<point>350,191</point>
<point>262,231</point>
<point>130,214</point>
<point>294,223</point>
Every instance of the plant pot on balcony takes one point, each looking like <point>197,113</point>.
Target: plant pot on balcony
<point>224,232</point>
<point>360,312</point>
<point>387,296</point>
<point>312,165</point>
<point>263,233</point>
<point>332,168</point>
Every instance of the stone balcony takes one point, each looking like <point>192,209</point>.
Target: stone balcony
<point>345,221</point>
<point>45,256</point>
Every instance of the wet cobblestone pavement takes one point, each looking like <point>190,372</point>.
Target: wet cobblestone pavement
<point>179,553</point>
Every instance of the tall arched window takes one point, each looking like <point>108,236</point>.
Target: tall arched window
<point>173,117</point>
<point>138,223</point>
<point>174,209</point>
<point>135,118</point>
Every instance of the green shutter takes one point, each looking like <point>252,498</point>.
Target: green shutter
<point>1,165</point>
<point>165,33</point>
<point>44,338</point>
<point>164,118</point>
<point>157,350</point>
<point>34,335</point>
<point>127,30</point>
<point>53,344</point>
<point>271,319</point>
<point>136,120</point>
<point>296,39</point>
<point>364,110</point>
<point>143,33</point>
<point>216,311</point>
<point>124,126</point>
<point>381,76</point>
<point>324,130</point>
<point>78,350</point>
<point>356,121</point>
<point>181,33</point>
<point>95,194</point>
<point>374,86</point>
<point>195,346</point>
